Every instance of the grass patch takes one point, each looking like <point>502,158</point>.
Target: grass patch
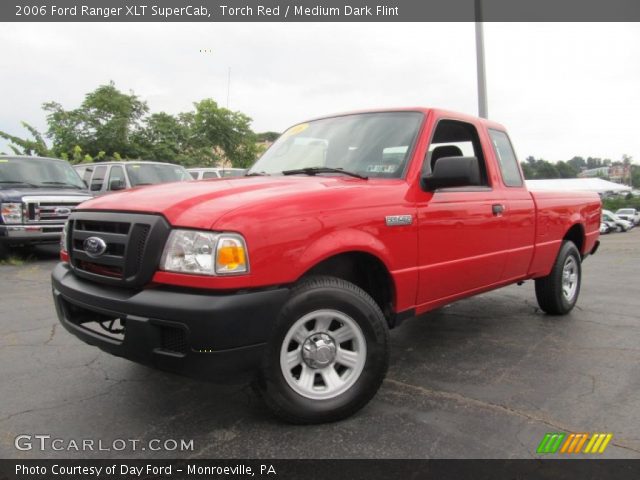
<point>13,261</point>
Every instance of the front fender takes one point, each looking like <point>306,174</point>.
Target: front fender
<point>343,241</point>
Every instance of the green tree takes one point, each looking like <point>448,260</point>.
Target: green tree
<point>267,136</point>
<point>25,146</point>
<point>226,133</point>
<point>578,163</point>
<point>528,171</point>
<point>594,162</point>
<point>566,170</point>
<point>161,137</point>
<point>635,176</point>
<point>546,169</point>
<point>105,121</point>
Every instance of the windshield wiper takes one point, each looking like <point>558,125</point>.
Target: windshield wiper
<point>19,182</point>
<point>64,184</point>
<point>317,170</point>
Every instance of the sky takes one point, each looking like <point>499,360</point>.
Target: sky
<point>561,89</point>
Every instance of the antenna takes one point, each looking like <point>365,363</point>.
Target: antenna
<point>482,79</point>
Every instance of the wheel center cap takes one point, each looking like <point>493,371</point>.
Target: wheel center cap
<point>318,350</point>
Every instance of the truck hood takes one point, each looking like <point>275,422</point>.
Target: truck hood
<point>200,204</point>
<point>16,194</point>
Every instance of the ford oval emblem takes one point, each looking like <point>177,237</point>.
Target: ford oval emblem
<point>94,246</point>
<point>62,211</point>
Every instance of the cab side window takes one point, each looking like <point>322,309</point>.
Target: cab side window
<point>98,178</point>
<point>85,173</point>
<point>506,158</point>
<point>453,138</point>
<point>210,175</point>
<point>117,180</point>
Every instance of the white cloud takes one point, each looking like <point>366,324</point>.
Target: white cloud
<point>561,89</point>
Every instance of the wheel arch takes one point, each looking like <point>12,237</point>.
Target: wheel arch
<point>576,234</point>
<point>365,270</point>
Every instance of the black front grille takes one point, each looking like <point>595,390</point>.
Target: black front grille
<point>174,340</point>
<point>133,246</point>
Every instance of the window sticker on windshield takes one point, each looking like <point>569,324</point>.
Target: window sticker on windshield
<point>296,130</point>
<point>135,166</point>
<point>4,160</point>
<point>382,168</point>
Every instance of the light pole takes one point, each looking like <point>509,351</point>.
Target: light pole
<point>483,110</point>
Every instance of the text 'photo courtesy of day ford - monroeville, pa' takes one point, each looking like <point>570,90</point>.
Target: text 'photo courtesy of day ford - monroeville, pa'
<point>294,274</point>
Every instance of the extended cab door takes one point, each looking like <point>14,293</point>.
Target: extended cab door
<point>520,214</point>
<point>462,237</point>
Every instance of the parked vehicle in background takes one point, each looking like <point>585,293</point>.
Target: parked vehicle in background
<point>295,273</point>
<point>621,225</point>
<point>104,177</point>
<point>611,226</point>
<point>204,173</point>
<point>37,195</point>
<point>607,228</point>
<point>630,214</point>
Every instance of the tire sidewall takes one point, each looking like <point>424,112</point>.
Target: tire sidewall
<point>568,249</point>
<point>370,322</point>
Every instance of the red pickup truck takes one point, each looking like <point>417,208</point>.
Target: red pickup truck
<point>346,226</point>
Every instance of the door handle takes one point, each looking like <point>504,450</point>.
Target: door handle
<point>497,209</point>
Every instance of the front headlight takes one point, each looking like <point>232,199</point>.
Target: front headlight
<point>12,212</point>
<point>205,253</point>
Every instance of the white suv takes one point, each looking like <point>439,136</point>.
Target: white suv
<point>630,214</point>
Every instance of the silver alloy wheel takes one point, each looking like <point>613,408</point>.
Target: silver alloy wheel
<point>570,278</point>
<point>323,354</point>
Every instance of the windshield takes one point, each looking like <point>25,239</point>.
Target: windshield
<point>370,144</point>
<point>626,211</point>
<point>152,173</point>
<point>38,172</point>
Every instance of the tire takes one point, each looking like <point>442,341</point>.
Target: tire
<point>558,292</point>
<point>326,321</point>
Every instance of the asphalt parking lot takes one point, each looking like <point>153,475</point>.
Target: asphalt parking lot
<point>486,377</point>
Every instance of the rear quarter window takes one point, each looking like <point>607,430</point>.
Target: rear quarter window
<point>506,157</point>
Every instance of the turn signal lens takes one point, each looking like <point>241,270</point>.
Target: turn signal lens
<point>231,255</point>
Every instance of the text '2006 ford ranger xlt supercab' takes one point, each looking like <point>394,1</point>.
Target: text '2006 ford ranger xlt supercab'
<point>344,227</point>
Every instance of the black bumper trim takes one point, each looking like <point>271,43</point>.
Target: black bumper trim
<point>225,333</point>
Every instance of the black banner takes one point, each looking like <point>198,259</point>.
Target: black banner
<point>318,10</point>
<point>583,469</point>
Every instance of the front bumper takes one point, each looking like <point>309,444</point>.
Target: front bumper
<point>30,234</point>
<point>196,333</point>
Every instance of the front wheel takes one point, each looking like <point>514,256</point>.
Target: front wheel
<point>557,293</point>
<point>327,355</point>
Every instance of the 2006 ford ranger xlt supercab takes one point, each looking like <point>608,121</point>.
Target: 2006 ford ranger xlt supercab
<point>295,273</point>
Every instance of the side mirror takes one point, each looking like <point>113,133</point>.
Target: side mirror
<point>452,172</point>
<point>116,184</point>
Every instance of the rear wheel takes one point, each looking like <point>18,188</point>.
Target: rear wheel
<point>557,293</point>
<point>327,355</point>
